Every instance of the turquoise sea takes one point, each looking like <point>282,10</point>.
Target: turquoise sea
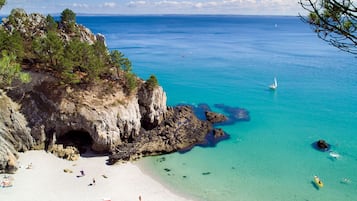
<point>232,60</point>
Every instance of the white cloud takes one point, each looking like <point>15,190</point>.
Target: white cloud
<point>192,3</point>
<point>164,6</point>
<point>80,5</point>
<point>136,3</point>
<point>217,6</point>
<point>109,4</point>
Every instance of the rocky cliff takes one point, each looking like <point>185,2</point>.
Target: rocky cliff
<point>102,116</point>
<point>103,111</point>
<point>126,127</point>
<point>14,133</point>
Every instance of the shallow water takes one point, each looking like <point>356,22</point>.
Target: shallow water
<point>232,60</point>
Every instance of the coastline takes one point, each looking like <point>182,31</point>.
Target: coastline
<point>47,181</point>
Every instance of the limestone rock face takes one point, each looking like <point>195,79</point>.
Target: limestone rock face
<point>152,106</point>
<point>110,118</point>
<point>28,25</point>
<point>14,134</point>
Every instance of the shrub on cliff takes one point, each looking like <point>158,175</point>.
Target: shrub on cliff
<point>119,61</point>
<point>68,20</point>
<point>131,82</point>
<point>52,25</point>
<point>10,70</point>
<point>49,49</point>
<point>152,82</point>
<point>12,43</point>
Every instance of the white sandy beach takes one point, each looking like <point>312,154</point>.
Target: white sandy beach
<point>47,181</point>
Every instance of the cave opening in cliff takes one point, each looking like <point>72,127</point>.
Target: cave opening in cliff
<point>79,139</point>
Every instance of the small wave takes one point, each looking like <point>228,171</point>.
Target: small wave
<point>334,155</point>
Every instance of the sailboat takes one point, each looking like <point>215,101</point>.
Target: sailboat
<point>274,85</point>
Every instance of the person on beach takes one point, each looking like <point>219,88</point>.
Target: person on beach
<point>29,166</point>
<point>93,181</point>
<point>139,197</point>
<point>82,173</point>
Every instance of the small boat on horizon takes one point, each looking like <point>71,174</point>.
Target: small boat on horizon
<point>274,85</point>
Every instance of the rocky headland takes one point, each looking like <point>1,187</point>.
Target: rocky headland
<point>70,119</point>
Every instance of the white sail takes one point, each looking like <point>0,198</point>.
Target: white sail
<point>274,85</point>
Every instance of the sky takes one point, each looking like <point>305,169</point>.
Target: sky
<point>139,7</point>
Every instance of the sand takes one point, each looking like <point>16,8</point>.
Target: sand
<point>47,181</point>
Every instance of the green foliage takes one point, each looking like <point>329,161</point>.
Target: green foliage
<point>73,61</point>
<point>119,61</point>
<point>115,57</point>
<point>69,77</point>
<point>68,15</point>
<point>10,70</point>
<point>49,49</point>
<point>12,43</point>
<point>90,61</point>
<point>68,20</point>
<point>334,21</point>
<point>73,53</point>
<point>51,23</point>
<point>100,62</point>
<point>152,82</point>
<point>94,66</point>
<point>131,81</point>
<point>2,3</point>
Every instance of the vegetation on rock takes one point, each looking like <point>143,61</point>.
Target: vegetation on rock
<point>152,82</point>
<point>66,50</point>
<point>10,70</point>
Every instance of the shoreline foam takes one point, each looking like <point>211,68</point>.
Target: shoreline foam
<point>47,181</point>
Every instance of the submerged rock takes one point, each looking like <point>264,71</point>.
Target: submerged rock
<point>234,113</point>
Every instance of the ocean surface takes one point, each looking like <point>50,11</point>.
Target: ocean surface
<point>232,60</point>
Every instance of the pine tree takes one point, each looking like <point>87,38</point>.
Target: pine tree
<point>10,70</point>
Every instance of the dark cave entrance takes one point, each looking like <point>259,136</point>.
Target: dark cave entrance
<point>77,138</point>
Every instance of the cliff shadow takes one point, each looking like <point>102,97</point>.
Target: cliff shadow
<point>81,140</point>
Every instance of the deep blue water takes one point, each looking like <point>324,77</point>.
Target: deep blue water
<point>232,60</point>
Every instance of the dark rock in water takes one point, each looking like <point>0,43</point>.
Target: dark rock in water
<point>180,130</point>
<point>199,110</point>
<point>234,114</point>
<point>321,145</point>
<point>211,139</point>
<point>218,132</point>
<point>214,117</point>
<point>206,173</point>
